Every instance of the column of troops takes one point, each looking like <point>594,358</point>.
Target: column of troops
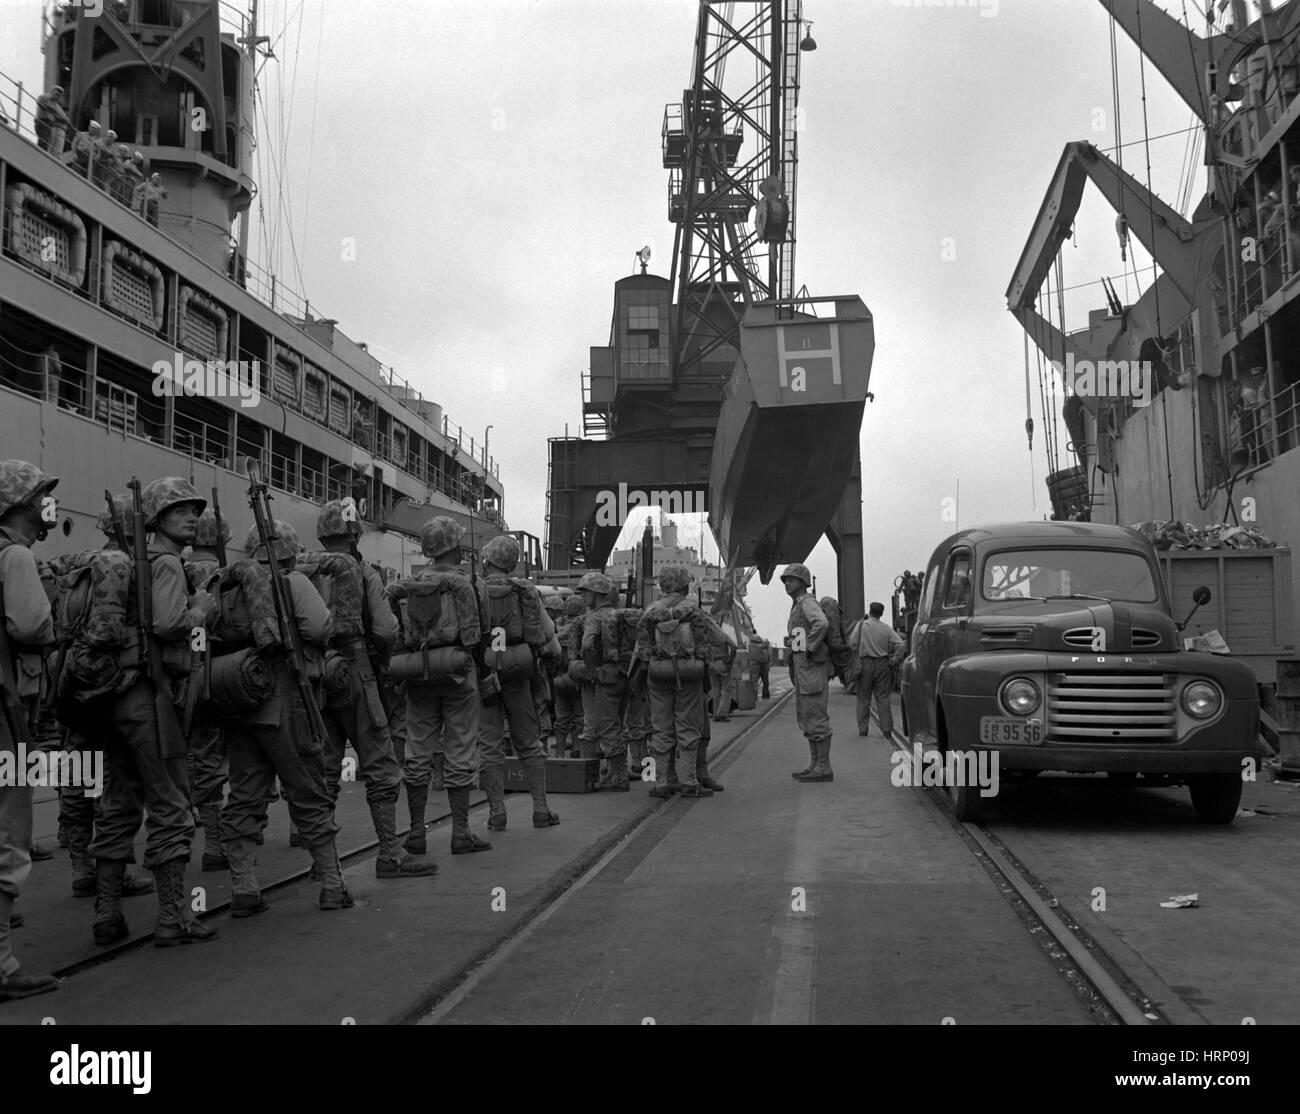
<point>241,682</point>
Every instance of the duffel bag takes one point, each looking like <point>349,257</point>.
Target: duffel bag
<point>240,682</point>
<point>513,661</point>
<point>441,665</point>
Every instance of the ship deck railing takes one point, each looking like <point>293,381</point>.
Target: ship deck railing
<point>18,114</point>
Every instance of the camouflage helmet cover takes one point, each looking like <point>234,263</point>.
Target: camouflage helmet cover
<point>502,551</point>
<point>596,582</point>
<point>338,516</point>
<point>286,542</point>
<point>574,606</point>
<point>121,510</point>
<point>440,535</point>
<point>205,533</point>
<point>21,482</point>
<point>674,578</point>
<point>799,572</point>
<point>163,494</point>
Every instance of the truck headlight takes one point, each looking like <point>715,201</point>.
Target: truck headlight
<point>1020,696</point>
<point>1202,699</point>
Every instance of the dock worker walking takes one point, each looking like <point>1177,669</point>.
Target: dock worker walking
<point>810,666</point>
<point>880,649</point>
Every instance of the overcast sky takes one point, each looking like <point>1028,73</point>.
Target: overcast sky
<point>498,164</point>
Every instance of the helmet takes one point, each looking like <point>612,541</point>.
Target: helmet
<point>286,542</point>
<point>440,535</point>
<point>799,572</point>
<point>338,516</point>
<point>171,491</point>
<point>205,534</point>
<point>674,578</point>
<point>553,603</point>
<point>21,482</point>
<point>574,606</point>
<point>596,582</point>
<point>121,511</point>
<point>502,551</point>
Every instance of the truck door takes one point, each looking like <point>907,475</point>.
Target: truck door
<point>945,621</point>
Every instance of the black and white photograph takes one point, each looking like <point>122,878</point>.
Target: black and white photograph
<point>570,514</point>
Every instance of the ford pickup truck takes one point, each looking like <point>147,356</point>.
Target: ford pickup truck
<point>1054,644</point>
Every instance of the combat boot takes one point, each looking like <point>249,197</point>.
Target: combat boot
<point>393,862</point>
<point>696,791</point>
<point>137,884</point>
<point>83,872</point>
<point>618,782</point>
<point>176,924</point>
<point>439,772</point>
<point>535,770</point>
<point>333,892</point>
<point>702,767</point>
<point>635,756</point>
<point>295,839</point>
<point>214,854</point>
<point>462,840</point>
<point>674,782</point>
<point>812,761</point>
<point>417,796</point>
<point>246,895</point>
<point>821,771</point>
<point>492,780</point>
<point>110,925</point>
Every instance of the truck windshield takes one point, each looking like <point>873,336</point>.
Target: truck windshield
<point>1046,573</point>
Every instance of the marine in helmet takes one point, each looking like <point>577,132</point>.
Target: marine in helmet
<point>810,667</point>
<point>568,689</point>
<point>604,652</point>
<point>268,743</point>
<point>442,717</point>
<point>209,767</point>
<point>27,510</point>
<point>142,787</point>
<point>674,639</point>
<point>515,633</point>
<point>365,631</point>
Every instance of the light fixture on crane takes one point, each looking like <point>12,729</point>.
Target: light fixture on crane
<point>643,257</point>
<point>808,43</point>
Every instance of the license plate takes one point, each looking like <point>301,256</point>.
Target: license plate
<point>1008,729</point>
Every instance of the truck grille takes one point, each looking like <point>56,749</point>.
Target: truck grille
<point>1104,707</point>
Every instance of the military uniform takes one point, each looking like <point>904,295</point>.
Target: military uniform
<point>444,711</point>
<point>760,653</point>
<point>273,739</point>
<point>514,634</point>
<point>209,769</point>
<point>585,688</point>
<point>569,721</point>
<point>810,672</point>
<point>364,625</point>
<point>674,638</point>
<point>603,665</point>
<point>27,627</point>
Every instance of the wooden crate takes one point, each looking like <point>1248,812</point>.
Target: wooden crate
<point>563,775</point>
<point>1251,604</point>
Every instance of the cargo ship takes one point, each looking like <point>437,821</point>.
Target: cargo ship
<point>136,336</point>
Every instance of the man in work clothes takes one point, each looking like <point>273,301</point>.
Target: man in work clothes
<point>760,653</point>
<point>27,511</point>
<point>444,708</point>
<point>881,649</point>
<point>810,666</point>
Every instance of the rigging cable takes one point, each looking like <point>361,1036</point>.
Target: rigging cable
<point>1155,283</point>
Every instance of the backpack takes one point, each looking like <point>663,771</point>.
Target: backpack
<point>673,637</point>
<point>337,578</point>
<point>834,617</point>
<point>246,613</point>
<point>610,632</point>
<point>94,591</point>
<point>629,620</point>
<point>515,607</point>
<point>438,609</point>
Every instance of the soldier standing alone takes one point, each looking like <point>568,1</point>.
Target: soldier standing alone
<point>810,671</point>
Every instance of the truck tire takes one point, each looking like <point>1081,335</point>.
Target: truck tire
<point>967,804</point>
<point>1215,797</point>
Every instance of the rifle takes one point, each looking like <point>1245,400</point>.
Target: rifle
<point>167,728</point>
<point>216,514</point>
<point>259,499</point>
<point>15,713</point>
<point>367,625</point>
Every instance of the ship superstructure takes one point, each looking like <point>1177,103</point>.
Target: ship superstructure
<point>1215,441</point>
<point>137,338</point>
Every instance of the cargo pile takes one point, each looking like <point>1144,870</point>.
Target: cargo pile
<point>1165,534</point>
